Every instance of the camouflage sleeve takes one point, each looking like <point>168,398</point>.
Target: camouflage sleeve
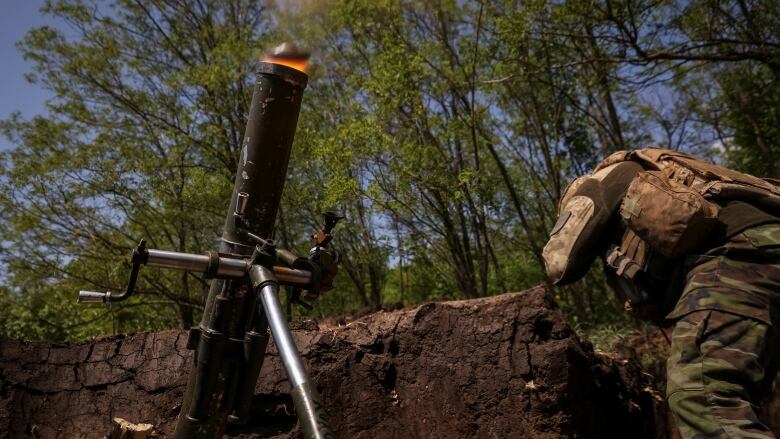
<point>586,210</point>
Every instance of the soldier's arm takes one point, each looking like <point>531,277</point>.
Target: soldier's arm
<point>585,213</point>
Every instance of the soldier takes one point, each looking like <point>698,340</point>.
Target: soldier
<point>700,245</point>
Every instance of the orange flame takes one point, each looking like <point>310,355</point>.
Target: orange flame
<point>290,56</point>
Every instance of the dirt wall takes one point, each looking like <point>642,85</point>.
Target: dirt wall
<point>503,366</point>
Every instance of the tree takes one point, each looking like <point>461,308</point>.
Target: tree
<point>141,141</point>
<point>446,132</point>
<point>731,45</point>
<point>462,129</point>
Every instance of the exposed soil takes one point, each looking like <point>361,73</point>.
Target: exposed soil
<point>503,366</point>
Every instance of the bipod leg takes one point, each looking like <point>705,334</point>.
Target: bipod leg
<point>195,421</point>
<point>308,402</point>
<point>255,342</point>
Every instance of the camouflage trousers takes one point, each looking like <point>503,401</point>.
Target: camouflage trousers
<point>724,353</point>
<point>716,367</point>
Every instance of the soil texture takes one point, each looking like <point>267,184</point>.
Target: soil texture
<point>496,367</point>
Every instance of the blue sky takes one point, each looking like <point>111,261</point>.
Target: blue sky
<point>16,94</point>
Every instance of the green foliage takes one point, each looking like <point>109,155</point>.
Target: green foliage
<point>605,337</point>
<point>445,131</point>
<point>140,142</point>
<point>753,94</point>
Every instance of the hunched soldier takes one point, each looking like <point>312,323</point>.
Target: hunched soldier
<point>699,245</point>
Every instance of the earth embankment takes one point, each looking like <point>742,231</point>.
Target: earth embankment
<point>496,367</point>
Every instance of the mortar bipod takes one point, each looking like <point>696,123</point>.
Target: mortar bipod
<point>307,400</point>
<point>265,274</point>
<point>212,264</point>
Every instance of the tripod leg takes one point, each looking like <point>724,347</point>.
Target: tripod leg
<point>308,402</point>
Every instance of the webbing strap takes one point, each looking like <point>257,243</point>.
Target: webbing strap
<point>692,171</point>
<point>634,248</point>
<point>624,266</point>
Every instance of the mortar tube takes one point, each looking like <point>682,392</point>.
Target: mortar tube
<point>262,162</point>
<point>260,174</point>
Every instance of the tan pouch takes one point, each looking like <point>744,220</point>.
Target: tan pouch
<point>672,218</point>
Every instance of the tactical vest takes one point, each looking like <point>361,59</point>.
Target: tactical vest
<point>671,208</point>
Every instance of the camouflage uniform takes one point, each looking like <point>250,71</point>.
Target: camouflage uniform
<point>724,346</point>
<point>727,314</point>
